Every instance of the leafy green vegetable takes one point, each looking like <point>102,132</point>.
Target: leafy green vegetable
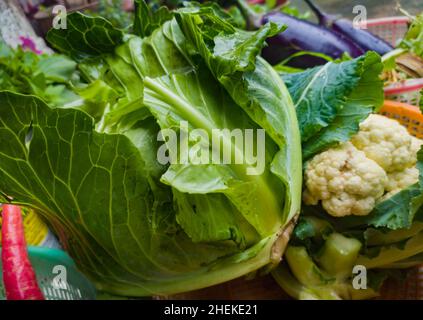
<point>389,254</point>
<point>260,98</point>
<point>413,39</point>
<point>133,225</point>
<point>146,21</point>
<point>302,278</point>
<point>86,36</point>
<point>333,99</point>
<point>50,77</point>
<point>378,237</point>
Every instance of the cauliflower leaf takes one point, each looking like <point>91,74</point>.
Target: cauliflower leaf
<point>333,99</point>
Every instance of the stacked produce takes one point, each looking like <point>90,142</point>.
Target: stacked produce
<point>134,226</point>
<point>370,193</point>
<point>85,150</point>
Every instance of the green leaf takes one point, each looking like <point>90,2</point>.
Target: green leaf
<point>312,227</point>
<point>85,36</point>
<point>282,65</point>
<point>123,70</point>
<point>147,20</point>
<point>225,10</point>
<point>67,168</point>
<point>381,236</point>
<point>170,104</point>
<point>112,10</point>
<point>51,77</point>
<point>57,68</point>
<point>97,95</point>
<point>393,253</point>
<point>333,99</point>
<point>212,218</point>
<point>225,48</point>
<point>413,39</point>
<point>58,95</point>
<point>231,55</point>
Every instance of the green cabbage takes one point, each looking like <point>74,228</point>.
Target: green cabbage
<point>135,226</point>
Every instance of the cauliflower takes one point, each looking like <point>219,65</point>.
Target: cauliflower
<point>352,178</point>
<point>387,142</point>
<point>400,180</point>
<point>345,180</point>
<point>416,144</point>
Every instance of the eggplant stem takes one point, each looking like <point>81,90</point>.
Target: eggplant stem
<point>324,18</point>
<point>253,18</point>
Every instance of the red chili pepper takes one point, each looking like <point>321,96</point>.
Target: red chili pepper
<point>19,278</point>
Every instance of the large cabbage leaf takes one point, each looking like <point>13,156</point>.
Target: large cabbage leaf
<point>232,61</point>
<point>134,226</point>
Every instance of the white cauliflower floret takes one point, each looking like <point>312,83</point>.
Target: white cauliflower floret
<point>416,144</point>
<point>400,180</point>
<point>345,180</point>
<point>387,142</point>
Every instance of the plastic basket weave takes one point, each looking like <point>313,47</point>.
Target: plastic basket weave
<point>391,29</point>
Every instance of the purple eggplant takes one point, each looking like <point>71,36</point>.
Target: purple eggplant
<point>363,38</point>
<point>300,35</point>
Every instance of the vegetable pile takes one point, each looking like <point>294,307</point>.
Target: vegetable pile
<point>370,189</point>
<point>362,186</point>
<point>87,157</point>
<point>134,226</point>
